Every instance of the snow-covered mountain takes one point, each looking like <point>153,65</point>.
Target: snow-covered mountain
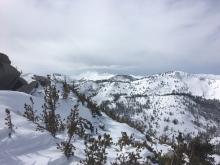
<point>172,100</point>
<point>207,86</point>
<point>152,108</point>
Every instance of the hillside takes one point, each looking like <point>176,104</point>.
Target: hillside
<point>28,146</point>
<point>153,109</point>
<point>159,98</point>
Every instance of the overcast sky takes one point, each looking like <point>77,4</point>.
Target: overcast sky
<point>116,36</point>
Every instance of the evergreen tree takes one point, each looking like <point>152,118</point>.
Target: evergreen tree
<point>66,89</point>
<point>73,121</point>
<point>125,140</point>
<point>53,122</point>
<point>72,127</point>
<point>8,122</point>
<point>67,148</point>
<point>130,158</point>
<point>95,152</point>
<point>107,140</point>
<point>197,150</point>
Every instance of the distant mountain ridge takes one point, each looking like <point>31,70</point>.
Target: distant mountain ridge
<point>149,102</point>
<point>207,86</point>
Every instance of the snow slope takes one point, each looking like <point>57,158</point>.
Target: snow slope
<point>28,146</point>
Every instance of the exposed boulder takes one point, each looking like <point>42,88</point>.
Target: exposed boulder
<point>9,75</point>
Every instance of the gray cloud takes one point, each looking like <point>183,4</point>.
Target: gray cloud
<point>137,37</point>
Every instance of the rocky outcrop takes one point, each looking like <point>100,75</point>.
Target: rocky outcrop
<point>29,88</point>
<point>9,76</point>
<point>37,80</point>
<point>4,59</point>
<point>42,80</point>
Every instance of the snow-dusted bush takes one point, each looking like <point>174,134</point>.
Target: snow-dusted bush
<point>29,112</point>
<point>95,152</point>
<point>125,140</point>
<point>8,122</point>
<point>67,148</point>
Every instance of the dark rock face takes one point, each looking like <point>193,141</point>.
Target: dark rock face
<point>9,75</point>
<point>4,59</point>
<point>20,83</point>
<point>42,80</point>
<point>29,87</point>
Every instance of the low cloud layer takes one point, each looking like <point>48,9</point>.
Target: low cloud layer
<point>127,36</point>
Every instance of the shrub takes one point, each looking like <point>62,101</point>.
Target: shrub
<point>67,148</point>
<point>175,121</point>
<point>125,140</point>
<point>8,122</point>
<point>95,152</point>
<point>29,112</point>
<point>128,159</point>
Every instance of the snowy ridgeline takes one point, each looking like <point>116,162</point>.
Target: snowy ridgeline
<point>159,106</point>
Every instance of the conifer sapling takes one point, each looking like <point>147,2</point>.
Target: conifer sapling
<point>8,122</point>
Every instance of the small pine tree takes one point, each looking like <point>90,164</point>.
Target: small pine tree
<point>29,112</point>
<point>66,89</point>
<point>72,122</point>
<point>95,152</point>
<point>84,124</point>
<point>67,148</point>
<point>8,122</point>
<point>107,140</point>
<point>49,116</point>
<point>129,158</point>
<point>125,140</point>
